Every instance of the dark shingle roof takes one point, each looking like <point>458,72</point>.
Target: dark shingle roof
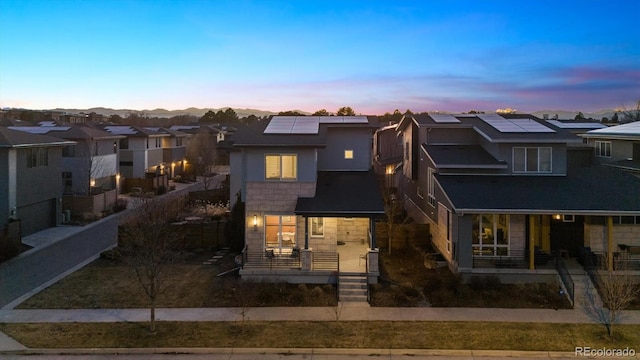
<point>15,138</point>
<point>596,189</point>
<point>343,193</point>
<point>462,156</point>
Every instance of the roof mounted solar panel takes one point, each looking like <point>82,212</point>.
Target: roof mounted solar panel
<point>280,125</point>
<point>444,118</point>
<point>576,125</point>
<point>532,126</point>
<point>514,125</point>
<point>305,125</point>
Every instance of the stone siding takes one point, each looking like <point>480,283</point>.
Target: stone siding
<point>595,236</point>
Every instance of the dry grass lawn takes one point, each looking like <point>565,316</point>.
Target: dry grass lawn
<point>385,334</point>
<point>109,284</point>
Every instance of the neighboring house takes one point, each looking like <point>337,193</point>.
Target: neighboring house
<point>89,166</point>
<point>617,146</point>
<point>219,138</point>
<point>501,198</point>
<point>310,197</point>
<point>174,151</point>
<point>142,157</point>
<point>30,190</point>
<point>387,154</point>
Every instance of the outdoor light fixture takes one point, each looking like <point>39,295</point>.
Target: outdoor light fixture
<point>557,217</point>
<point>255,221</point>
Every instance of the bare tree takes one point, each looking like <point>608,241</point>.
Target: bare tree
<point>149,244</point>
<point>617,290</point>
<point>201,152</point>
<point>631,115</point>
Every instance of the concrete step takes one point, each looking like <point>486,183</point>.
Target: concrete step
<point>353,287</point>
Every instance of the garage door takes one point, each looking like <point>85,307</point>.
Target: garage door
<point>38,216</point>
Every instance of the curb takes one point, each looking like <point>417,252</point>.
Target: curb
<point>301,351</point>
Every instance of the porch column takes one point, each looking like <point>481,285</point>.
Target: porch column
<point>372,230</point>
<point>610,243</point>
<point>532,239</point>
<point>306,232</point>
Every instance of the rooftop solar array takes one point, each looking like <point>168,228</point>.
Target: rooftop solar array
<point>121,130</point>
<point>308,124</point>
<point>39,129</point>
<point>514,125</point>
<point>444,118</point>
<point>576,125</point>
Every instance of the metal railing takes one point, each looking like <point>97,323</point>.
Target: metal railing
<point>566,279</point>
<point>325,260</point>
<point>621,260</point>
<point>516,259</point>
<point>269,259</point>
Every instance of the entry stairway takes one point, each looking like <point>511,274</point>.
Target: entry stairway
<point>352,287</point>
<point>586,296</point>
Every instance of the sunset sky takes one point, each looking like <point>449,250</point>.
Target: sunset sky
<point>374,56</point>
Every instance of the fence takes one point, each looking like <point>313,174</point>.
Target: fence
<point>515,259</point>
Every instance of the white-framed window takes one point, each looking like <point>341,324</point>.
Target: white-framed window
<point>37,157</point>
<point>431,194</point>
<point>279,232</point>
<point>603,149</point>
<point>281,166</point>
<point>568,218</point>
<point>316,226</point>
<point>348,154</point>
<point>490,234</point>
<point>532,160</point>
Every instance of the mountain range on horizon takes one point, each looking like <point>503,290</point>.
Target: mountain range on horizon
<point>243,112</point>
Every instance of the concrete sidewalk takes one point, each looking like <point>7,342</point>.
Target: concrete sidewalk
<point>347,312</point>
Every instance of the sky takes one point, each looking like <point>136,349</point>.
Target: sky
<point>374,56</point>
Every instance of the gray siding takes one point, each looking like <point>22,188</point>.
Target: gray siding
<point>4,186</point>
<point>340,139</point>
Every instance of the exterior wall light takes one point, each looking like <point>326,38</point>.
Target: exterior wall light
<point>255,222</point>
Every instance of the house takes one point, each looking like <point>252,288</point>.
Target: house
<point>387,154</point>
<point>142,157</point>
<point>310,198</point>
<point>501,196</point>
<point>30,191</point>
<point>617,146</point>
<point>90,179</point>
<point>212,136</point>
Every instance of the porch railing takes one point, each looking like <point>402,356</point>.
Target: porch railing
<point>621,260</point>
<point>516,259</point>
<point>321,260</point>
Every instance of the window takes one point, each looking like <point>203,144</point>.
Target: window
<point>69,151</point>
<point>626,220</point>
<point>37,157</point>
<point>158,142</point>
<point>420,193</point>
<point>281,167</point>
<point>124,143</point>
<point>490,234</point>
<point>178,141</point>
<point>568,218</point>
<point>532,159</point>
<point>431,187</point>
<point>603,148</point>
<point>280,232</point>
<point>317,226</point>
<point>348,154</point>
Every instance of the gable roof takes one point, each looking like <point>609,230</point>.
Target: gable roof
<point>630,131</point>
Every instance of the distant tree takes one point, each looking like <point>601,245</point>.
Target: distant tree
<point>408,112</point>
<point>604,120</point>
<point>138,119</point>
<point>631,115</point>
<point>345,111</point>
<point>579,116</point>
<point>249,119</point>
<point>149,244</point>
<point>182,119</point>
<point>614,118</point>
<point>321,112</point>
<point>229,116</point>
<point>116,119</point>
<point>290,113</point>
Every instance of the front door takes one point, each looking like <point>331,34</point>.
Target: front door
<point>567,233</point>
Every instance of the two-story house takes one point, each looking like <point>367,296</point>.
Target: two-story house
<point>617,146</point>
<point>30,191</point>
<point>500,197</point>
<point>310,198</point>
<point>142,157</point>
